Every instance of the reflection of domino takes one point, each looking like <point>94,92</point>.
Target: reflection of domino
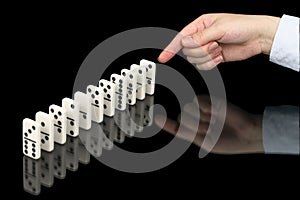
<point>72,154</point>
<point>148,114</point>
<point>109,131</point>
<point>150,75</point>
<point>83,154</point>
<point>31,175</point>
<point>92,139</point>
<point>139,116</point>
<point>59,165</point>
<point>47,178</point>
<point>129,129</point>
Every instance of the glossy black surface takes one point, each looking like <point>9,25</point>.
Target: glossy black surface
<point>52,41</point>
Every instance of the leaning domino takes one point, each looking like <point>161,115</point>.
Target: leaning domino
<point>141,80</point>
<point>150,75</point>
<point>72,116</point>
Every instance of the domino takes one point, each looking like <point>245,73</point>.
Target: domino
<point>97,101</point>
<point>72,116</point>
<point>141,80</point>
<point>85,109</point>
<point>72,154</point>
<point>31,139</point>
<point>131,85</point>
<point>120,90</point>
<point>108,89</point>
<point>59,164</point>
<point>31,175</point>
<point>47,178</point>
<point>150,75</point>
<point>46,124</point>
<point>58,114</point>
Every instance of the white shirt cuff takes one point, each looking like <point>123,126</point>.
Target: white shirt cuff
<point>281,130</point>
<point>285,48</point>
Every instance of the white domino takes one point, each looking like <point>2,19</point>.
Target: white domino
<point>97,102</point>
<point>141,80</point>
<point>108,89</point>
<point>31,139</point>
<point>131,85</point>
<point>120,90</point>
<point>46,124</point>
<point>150,75</point>
<point>58,114</point>
<point>31,175</point>
<point>72,116</point>
<point>85,109</point>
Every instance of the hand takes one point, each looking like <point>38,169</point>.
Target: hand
<point>215,38</point>
<point>242,131</point>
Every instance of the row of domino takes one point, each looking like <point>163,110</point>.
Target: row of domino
<point>37,172</point>
<point>103,99</point>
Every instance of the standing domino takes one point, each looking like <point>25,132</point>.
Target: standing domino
<point>85,109</point>
<point>131,85</point>
<point>72,116</point>
<point>46,124</point>
<point>58,114</point>
<point>108,89</point>
<point>121,90</point>
<point>31,139</point>
<point>150,75</point>
<point>97,102</point>
<point>141,80</point>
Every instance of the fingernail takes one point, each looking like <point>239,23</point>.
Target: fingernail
<point>218,59</point>
<point>213,46</point>
<point>216,52</point>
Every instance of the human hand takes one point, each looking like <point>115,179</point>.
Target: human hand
<point>215,38</point>
<point>242,131</point>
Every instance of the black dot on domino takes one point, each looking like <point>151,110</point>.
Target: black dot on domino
<point>131,76</point>
<point>33,145</point>
<point>108,87</point>
<point>130,84</point>
<point>71,133</point>
<point>55,116</point>
<point>140,71</point>
<point>96,102</point>
<point>52,110</point>
<point>59,122</point>
<point>120,97</point>
<point>26,134</point>
<point>84,116</point>
<point>104,106</point>
<point>59,130</point>
<point>43,141</point>
<point>96,92</point>
<point>46,138</point>
<point>108,96</point>
<point>33,127</point>
<point>120,81</point>
<point>72,106</point>
<point>149,82</point>
<point>113,79</point>
<point>119,106</point>
<point>59,113</point>
<point>104,90</point>
<point>29,131</point>
<point>150,66</point>
<point>93,96</point>
<point>43,124</point>
<point>123,73</point>
<point>101,84</point>
<point>129,100</point>
<point>89,90</point>
<point>71,123</point>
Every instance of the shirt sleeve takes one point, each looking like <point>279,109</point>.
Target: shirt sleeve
<point>285,48</point>
<point>281,130</point>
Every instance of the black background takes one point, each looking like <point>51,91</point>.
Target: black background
<point>48,43</point>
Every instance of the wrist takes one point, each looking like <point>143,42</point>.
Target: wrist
<point>268,28</point>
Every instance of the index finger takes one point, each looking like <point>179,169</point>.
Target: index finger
<point>175,45</point>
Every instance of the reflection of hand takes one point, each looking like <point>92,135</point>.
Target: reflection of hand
<point>215,38</point>
<point>242,131</point>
